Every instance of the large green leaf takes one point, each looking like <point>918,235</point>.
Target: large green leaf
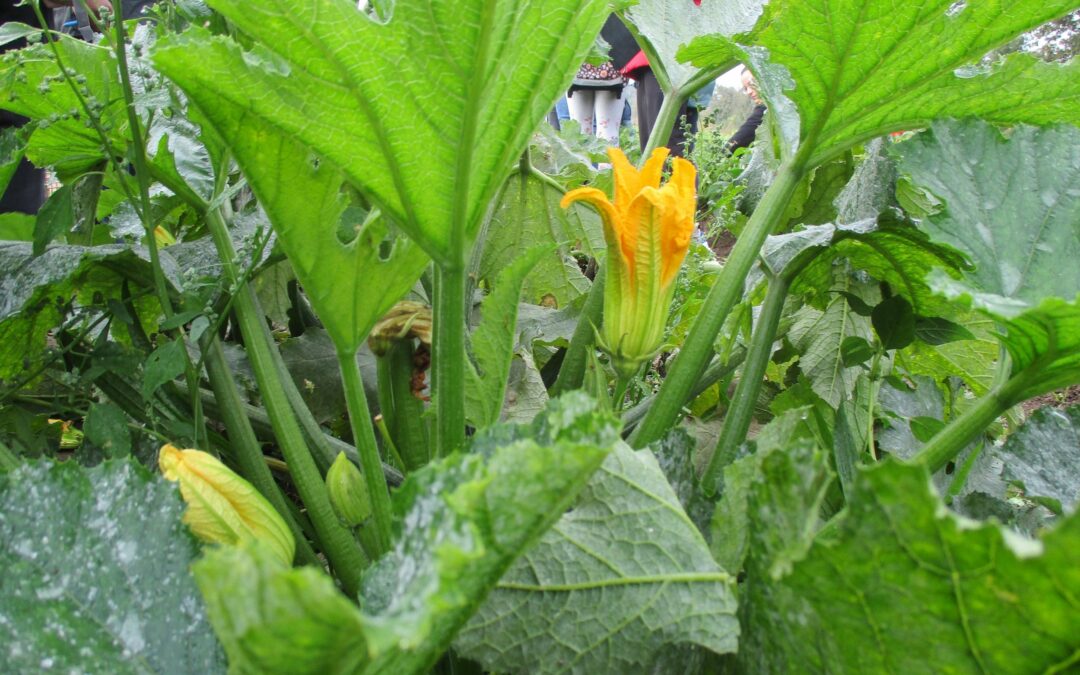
<point>1019,222</point>
<point>1012,205</point>
<point>351,266</point>
<point>528,215</point>
<point>1044,344</point>
<point>619,578</point>
<point>426,113</point>
<point>31,85</point>
<point>901,585</point>
<point>96,574</point>
<point>492,342</point>
<point>840,72</point>
<point>463,521</point>
<point>1044,455</point>
<point>666,25</point>
<point>893,252</point>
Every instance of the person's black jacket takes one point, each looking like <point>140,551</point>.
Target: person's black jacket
<point>748,131</point>
<point>623,45</point>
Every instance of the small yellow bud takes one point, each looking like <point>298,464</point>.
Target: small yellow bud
<point>163,237</point>
<point>222,506</point>
<point>348,492</point>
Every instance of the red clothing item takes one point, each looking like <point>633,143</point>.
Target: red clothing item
<point>640,60</point>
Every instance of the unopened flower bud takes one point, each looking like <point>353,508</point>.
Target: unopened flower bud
<point>223,507</point>
<point>348,492</point>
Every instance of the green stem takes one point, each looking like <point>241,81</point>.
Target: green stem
<point>246,451</point>
<point>717,371</point>
<point>963,472</point>
<point>739,416</point>
<point>618,399</point>
<point>346,557</point>
<point>697,350</point>
<point>950,441</point>
<point>401,410</point>
<point>875,387</point>
<point>572,370</point>
<point>142,176</point>
<point>668,115</point>
<point>370,463</point>
<point>260,422</point>
<point>388,441</point>
<point>449,358</point>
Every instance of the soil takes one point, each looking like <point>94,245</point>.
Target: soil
<point>1060,399</point>
<point>722,244</point>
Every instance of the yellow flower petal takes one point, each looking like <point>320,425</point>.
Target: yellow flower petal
<point>648,229</point>
<point>613,224</point>
<point>223,507</point>
<point>654,168</point>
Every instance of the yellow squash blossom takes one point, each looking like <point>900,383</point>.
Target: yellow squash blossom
<point>647,229</point>
<point>223,507</point>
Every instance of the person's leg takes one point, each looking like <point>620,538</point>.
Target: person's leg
<point>649,99</point>
<point>609,108</point>
<point>581,104</point>
<point>682,136</point>
<point>561,109</point>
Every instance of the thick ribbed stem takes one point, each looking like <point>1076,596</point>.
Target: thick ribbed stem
<point>697,350</point>
<point>449,359</point>
<point>950,441</point>
<point>737,421</point>
<point>346,557</point>
<point>402,411</point>
<point>246,451</point>
<point>364,438</point>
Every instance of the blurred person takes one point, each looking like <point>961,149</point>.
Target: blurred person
<point>650,97</point>
<point>748,131</point>
<point>595,97</point>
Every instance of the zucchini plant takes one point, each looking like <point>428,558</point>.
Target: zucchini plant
<point>441,395</point>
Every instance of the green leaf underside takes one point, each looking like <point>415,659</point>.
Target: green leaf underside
<point>856,69</point>
<point>985,600</point>
<point>894,252</point>
<point>96,574</point>
<point>668,24</point>
<point>462,521</point>
<point>1012,205</point>
<point>621,577</point>
<point>528,215</point>
<point>351,286</point>
<point>492,342</point>
<point>1045,342</point>
<point>1021,234</point>
<point>425,119</point>
<point>1044,455</point>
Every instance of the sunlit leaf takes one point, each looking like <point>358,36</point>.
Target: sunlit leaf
<point>426,113</point>
<point>840,72</point>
